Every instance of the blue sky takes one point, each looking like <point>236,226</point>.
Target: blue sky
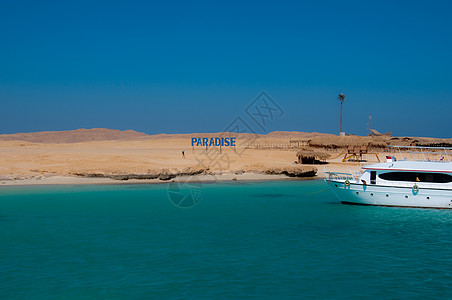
<point>182,67</point>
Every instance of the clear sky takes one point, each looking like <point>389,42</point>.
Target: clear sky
<point>193,66</point>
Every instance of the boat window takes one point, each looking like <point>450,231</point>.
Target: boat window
<point>373,177</point>
<point>416,177</point>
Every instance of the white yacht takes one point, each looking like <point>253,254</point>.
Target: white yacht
<point>425,183</point>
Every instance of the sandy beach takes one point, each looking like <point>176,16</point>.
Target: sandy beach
<point>152,159</point>
<point>105,156</point>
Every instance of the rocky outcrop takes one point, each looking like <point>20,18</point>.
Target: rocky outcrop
<point>163,174</point>
<point>168,174</point>
<point>291,171</point>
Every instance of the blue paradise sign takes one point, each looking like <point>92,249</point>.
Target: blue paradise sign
<point>223,141</point>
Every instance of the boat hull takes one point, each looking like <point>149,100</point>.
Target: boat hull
<point>361,194</point>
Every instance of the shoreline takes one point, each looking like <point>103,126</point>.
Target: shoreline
<point>199,178</point>
<point>267,174</point>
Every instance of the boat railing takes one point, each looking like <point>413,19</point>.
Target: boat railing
<point>439,154</point>
<point>339,176</point>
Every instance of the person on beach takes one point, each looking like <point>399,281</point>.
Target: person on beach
<point>183,153</point>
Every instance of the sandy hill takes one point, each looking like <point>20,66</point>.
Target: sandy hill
<point>162,136</point>
<point>103,134</point>
<point>319,140</point>
<point>296,135</point>
<point>75,136</point>
<point>272,135</point>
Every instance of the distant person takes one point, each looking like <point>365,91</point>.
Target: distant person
<point>442,158</point>
<point>183,153</point>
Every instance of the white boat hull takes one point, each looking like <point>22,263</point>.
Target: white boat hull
<point>355,193</point>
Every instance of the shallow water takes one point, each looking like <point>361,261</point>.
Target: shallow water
<point>283,239</point>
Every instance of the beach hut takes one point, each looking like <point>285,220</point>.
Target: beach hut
<point>311,157</point>
<point>343,142</point>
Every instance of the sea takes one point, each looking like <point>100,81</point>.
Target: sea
<point>226,240</point>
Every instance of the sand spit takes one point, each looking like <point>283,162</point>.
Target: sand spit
<point>109,156</point>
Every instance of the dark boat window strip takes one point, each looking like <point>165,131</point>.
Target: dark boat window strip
<point>391,186</point>
<point>416,177</point>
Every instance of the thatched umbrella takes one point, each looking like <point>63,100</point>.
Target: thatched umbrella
<point>335,142</point>
<point>310,157</point>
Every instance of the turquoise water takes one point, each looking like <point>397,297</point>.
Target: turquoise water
<point>286,239</point>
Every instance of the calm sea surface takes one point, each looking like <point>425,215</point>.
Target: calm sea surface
<point>285,239</point>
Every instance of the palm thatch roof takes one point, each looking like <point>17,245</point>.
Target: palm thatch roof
<point>376,142</point>
<point>312,154</point>
<point>426,142</point>
<point>349,141</point>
